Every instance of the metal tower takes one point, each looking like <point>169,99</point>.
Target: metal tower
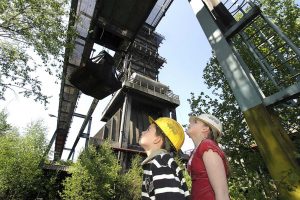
<point>276,63</point>
<point>141,95</point>
<point>126,27</point>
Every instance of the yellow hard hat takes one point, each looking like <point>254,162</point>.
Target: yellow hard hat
<point>172,129</point>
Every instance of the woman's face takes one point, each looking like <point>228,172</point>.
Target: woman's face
<point>196,127</point>
<point>147,137</point>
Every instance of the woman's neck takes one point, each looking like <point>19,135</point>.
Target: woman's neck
<point>198,140</point>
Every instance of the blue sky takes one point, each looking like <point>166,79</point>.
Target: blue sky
<point>187,51</point>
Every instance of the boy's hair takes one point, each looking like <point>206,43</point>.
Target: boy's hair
<point>166,143</point>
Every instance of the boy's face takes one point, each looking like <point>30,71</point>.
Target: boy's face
<point>148,137</point>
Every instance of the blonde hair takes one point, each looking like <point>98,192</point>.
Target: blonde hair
<point>213,135</point>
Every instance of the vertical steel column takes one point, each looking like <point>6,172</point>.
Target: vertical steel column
<point>84,123</point>
<point>276,149</point>
<point>124,129</point>
<point>48,149</point>
<point>122,121</point>
<point>88,133</point>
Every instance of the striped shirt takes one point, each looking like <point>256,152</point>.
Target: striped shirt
<point>163,178</point>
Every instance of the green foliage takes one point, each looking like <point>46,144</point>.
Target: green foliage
<point>94,175</point>
<point>279,59</point>
<point>249,176</point>
<point>20,155</point>
<point>62,162</point>
<point>4,126</point>
<point>286,15</point>
<point>98,175</point>
<point>129,186</point>
<point>186,175</point>
<point>26,28</point>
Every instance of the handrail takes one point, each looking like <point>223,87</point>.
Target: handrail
<point>162,91</point>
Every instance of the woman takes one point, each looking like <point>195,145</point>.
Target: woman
<point>207,165</point>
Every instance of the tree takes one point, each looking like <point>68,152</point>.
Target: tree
<point>249,177</point>
<point>20,174</point>
<point>93,175</point>
<point>4,126</point>
<point>26,28</point>
<point>129,185</point>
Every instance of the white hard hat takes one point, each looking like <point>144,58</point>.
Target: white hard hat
<point>211,121</point>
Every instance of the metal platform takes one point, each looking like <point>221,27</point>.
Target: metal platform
<point>140,87</point>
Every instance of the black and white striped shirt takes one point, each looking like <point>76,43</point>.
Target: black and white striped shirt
<point>163,178</point>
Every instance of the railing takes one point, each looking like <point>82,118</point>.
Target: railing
<point>238,8</point>
<point>161,90</point>
<point>151,52</point>
<point>275,56</point>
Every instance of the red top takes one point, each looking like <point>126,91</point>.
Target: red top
<point>201,187</point>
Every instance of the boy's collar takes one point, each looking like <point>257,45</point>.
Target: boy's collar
<point>153,154</point>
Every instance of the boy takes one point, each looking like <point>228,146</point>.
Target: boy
<point>162,178</point>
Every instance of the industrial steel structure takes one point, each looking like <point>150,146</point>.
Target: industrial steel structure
<point>128,28</point>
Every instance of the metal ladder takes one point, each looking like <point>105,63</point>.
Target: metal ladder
<point>277,56</point>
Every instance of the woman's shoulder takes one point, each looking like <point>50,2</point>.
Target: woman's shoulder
<point>208,144</point>
<point>209,141</point>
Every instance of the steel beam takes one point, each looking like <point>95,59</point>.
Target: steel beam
<point>84,123</point>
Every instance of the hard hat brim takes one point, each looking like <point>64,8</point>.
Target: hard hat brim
<point>151,120</point>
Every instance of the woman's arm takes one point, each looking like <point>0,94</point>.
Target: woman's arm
<point>216,174</point>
